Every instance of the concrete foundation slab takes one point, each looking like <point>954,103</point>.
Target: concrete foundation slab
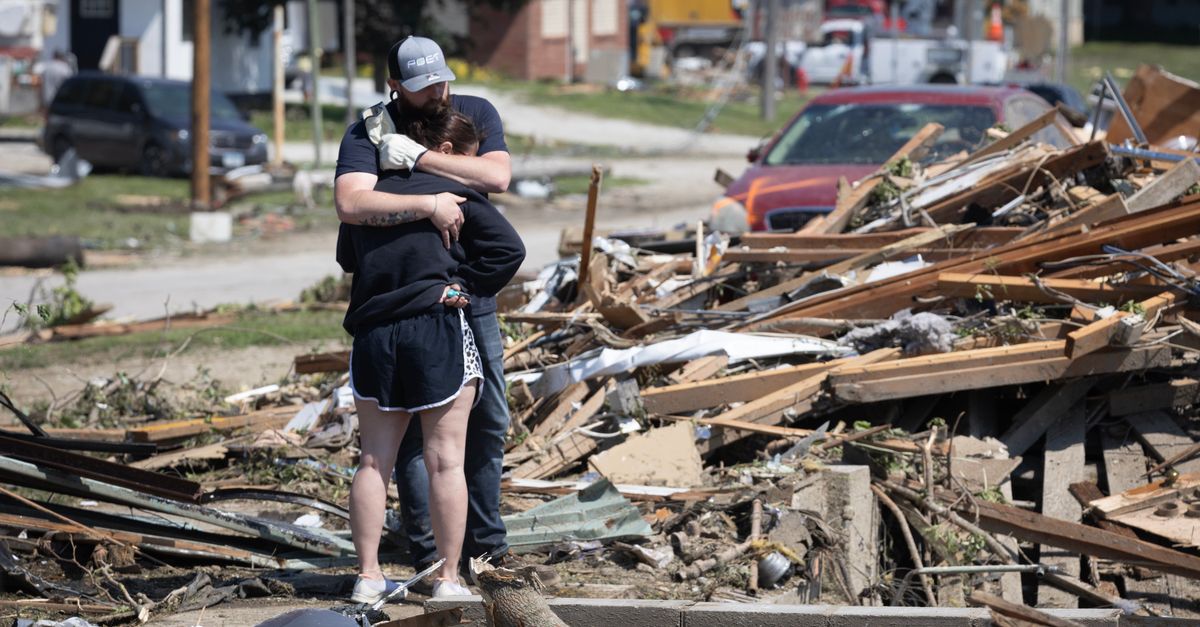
<point>622,612</point>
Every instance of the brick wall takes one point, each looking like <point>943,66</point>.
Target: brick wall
<point>512,43</point>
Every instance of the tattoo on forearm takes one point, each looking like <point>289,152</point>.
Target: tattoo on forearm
<point>391,219</point>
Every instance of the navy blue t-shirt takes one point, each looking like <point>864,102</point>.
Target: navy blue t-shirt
<point>358,154</point>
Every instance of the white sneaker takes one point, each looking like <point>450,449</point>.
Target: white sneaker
<point>370,591</point>
<point>443,588</point>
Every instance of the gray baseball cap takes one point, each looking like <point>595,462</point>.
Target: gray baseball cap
<point>418,62</point>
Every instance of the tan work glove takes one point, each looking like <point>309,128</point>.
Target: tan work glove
<point>398,152</point>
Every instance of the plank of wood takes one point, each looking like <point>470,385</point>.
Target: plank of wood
<point>771,407</point>
<point>1078,538</point>
<point>1165,188</point>
<point>993,356</point>
<point>1062,465</point>
<point>563,408</point>
<point>166,460</point>
<point>1109,208</point>
<point>338,361</point>
<point>177,321</point>
<point>548,317</point>
<point>996,287</point>
<point>699,369</point>
<point>836,220</point>
<point>1163,438</point>
<point>952,380</point>
<point>1101,333</point>
<point>567,447</point>
<point>1018,611</point>
<point>1038,414</point>
<point>271,418</point>
<point>902,247</point>
<point>978,237</point>
<point>1015,138</point>
<point>686,397</point>
<point>820,259</point>
<point>883,298</point>
<point>1173,393</point>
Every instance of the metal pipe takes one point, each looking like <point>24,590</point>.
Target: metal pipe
<point>1040,569</point>
<point>1119,98</point>
<point>1099,109</point>
<point>1142,153</point>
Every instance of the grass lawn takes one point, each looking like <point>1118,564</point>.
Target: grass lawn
<point>663,105</point>
<point>578,184</point>
<point>92,210</point>
<point>1088,62</point>
<point>304,329</point>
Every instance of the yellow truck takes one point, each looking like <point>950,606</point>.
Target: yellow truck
<point>673,29</point>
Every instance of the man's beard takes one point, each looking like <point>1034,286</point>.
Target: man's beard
<point>407,109</point>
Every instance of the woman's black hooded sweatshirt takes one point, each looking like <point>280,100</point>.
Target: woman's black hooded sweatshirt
<point>401,271</point>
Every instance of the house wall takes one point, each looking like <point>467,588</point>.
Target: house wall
<point>532,43</point>
<point>143,19</point>
<point>60,39</point>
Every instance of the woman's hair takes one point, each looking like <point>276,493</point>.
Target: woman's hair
<point>443,125</point>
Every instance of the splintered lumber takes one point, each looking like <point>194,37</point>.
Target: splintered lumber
<point>883,298</point>
<point>1078,538</point>
<point>700,369</point>
<point>619,312</point>
<point>1163,438</point>
<point>1025,289</point>
<point>1015,138</point>
<point>1165,106</point>
<point>1062,466</point>
<point>1174,393</point>
<point>176,321</point>
<point>1101,333</point>
<point>836,220</point>
<point>978,237</point>
<point>1023,613</point>
<point>992,356</point>
<point>589,224</point>
<point>568,446</point>
<point>904,246</point>
<point>322,362</point>
<point>1168,187</point>
<point>685,397</point>
<point>795,399</point>
<point>272,418</point>
<point>942,380</point>
<point>1037,415</point>
<point>1111,207</point>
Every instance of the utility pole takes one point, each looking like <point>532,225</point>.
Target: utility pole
<point>770,64</point>
<point>351,60</point>
<point>1064,23</point>
<point>314,54</point>
<point>201,86</point>
<point>277,84</point>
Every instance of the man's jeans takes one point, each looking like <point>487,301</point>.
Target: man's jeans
<point>483,465</point>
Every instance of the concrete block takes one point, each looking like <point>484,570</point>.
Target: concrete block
<point>585,612</point>
<point>857,616</point>
<point>756,615</point>
<point>1090,618</point>
<point>210,226</point>
<point>850,505</point>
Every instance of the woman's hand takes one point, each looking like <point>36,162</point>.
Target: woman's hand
<point>447,216</point>
<point>453,296</point>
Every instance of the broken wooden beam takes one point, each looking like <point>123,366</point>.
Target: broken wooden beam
<point>987,286</point>
<point>1179,392</point>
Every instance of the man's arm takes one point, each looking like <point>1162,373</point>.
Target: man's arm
<point>357,202</point>
<point>488,173</point>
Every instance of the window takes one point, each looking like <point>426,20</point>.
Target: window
<point>128,100</point>
<point>71,93</point>
<point>96,9</point>
<point>101,95</point>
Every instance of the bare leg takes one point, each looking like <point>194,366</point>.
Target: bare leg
<point>445,430</point>
<point>380,433</point>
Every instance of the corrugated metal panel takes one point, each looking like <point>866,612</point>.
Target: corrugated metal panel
<point>598,512</point>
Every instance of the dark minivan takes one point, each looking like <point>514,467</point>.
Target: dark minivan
<point>143,124</point>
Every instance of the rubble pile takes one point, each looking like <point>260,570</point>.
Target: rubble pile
<point>973,382</point>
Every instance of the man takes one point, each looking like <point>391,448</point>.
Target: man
<point>419,80</point>
<point>55,72</point>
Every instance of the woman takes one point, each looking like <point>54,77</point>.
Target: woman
<point>413,350</point>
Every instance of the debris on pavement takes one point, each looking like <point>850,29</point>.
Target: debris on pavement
<point>975,381</point>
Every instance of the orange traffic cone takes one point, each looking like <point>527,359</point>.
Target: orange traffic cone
<point>996,25</point>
